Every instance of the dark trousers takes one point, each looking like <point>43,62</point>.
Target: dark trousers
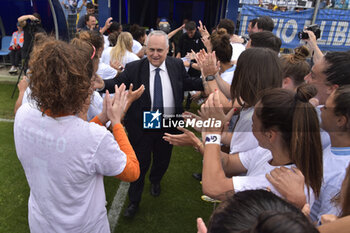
<point>150,143</point>
<point>25,57</point>
<point>15,57</point>
<point>188,101</point>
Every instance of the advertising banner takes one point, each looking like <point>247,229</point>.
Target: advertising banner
<point>334,25</point>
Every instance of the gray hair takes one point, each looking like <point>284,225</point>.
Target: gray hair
<point>158,33</point>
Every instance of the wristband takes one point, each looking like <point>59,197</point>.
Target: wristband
<point>213,139</point>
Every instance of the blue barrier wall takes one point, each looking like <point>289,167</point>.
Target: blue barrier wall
<point>334,24</point>
<point>232,10</point>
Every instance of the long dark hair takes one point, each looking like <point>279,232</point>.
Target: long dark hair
<point>338,69</point>
<point>342,103</point>
<point>298,123</point>
<point>220,42</point>
<point>242,211</point>
<point>276,222</point>
<point>257,69</point>
<point>295,65</point>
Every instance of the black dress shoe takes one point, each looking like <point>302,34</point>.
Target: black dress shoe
<point>197,176</point>
<point>155,190</point>
<point>131,210</point>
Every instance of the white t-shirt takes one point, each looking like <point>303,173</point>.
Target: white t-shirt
<point>136,46</point>
<point>106,71</point>
<point>237,49</point>
<point>106,55</point>
<point>227,76</point>
<point>129,57</point>
<point>335,162</point>
<point>106,42</point>
<point>28,99</point>
<point>96,106</point>
<point>65,159</point>
<point>243,138</point>
<point>256,162</point>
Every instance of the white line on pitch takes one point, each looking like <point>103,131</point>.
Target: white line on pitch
<point>117,204</point>
<point>6,120</point>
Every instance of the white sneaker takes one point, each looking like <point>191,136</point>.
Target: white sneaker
<point>13,70</point>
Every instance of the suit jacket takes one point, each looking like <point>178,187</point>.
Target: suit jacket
<point>137,73</point>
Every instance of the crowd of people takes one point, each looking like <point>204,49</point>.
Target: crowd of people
<point>278,159</point>
<point>80,15</point>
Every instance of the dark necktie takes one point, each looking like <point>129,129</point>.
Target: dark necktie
<point>158,93</point>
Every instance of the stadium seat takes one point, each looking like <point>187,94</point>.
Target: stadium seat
<point>5,44</point>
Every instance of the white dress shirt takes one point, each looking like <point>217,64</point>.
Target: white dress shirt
<point>167,90</point>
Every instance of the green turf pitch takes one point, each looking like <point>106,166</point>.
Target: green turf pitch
<point>6,103</point>
<point>179,204</point>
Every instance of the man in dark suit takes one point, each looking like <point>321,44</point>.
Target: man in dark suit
<point>165,80</point>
